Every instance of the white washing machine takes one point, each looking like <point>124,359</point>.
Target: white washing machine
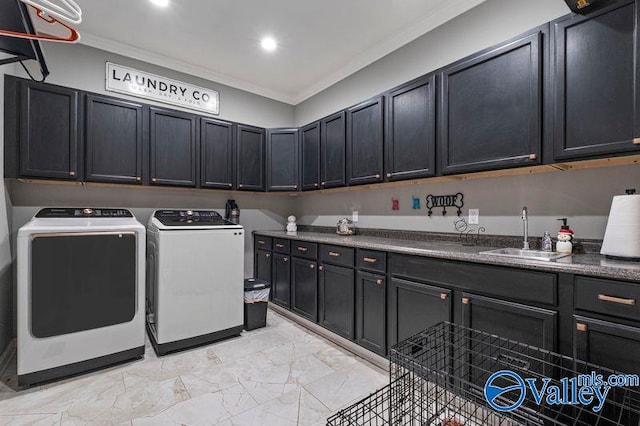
<point>81,279</point>
<point>195,262</point>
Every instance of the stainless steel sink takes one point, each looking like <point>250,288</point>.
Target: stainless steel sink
<point>525,254</point>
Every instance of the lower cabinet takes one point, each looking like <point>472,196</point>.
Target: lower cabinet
<point>337,300</point>
<point>608,344</point>
<point>304,288</point>
<point>281,280</point>
<point>414,307</point>
<point>371,312</point>
<point>263,265</point>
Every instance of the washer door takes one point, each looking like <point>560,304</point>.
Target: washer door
<point>81,281</point>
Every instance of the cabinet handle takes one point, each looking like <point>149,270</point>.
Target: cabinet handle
<point>230,185</point>
<point>241,186</point>
<point>581,327</point>
<point>322,183</point>
<point>533,156</point>
<point>377,176</point>
<point>280,245</point>
<point>379,281</point>
<point>444,296</point>
<point>321,268</point>
<point>72,173</point>
<point>370,260</point>
<point>138,178</point>
<point>334,254</point>
<point>267,255</point>
<point>465,300</point>
<point>285,259</point>
<point>618,300</point>
<point>636,141</point>
<point>389,174</point>
<point>295,186</point>
<point>303,249</point>
<point>315,184</point>
<point>154,180</point>
<point>260,242</point>
<point>312,266</point>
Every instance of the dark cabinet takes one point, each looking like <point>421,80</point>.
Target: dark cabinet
<point>173,147</point>
<point>114,140</point>
<point>414,307</point>
<point>263,265</point>
<point>216,154</point>
<point>597,87</point>
<point>371,312</point>
<point>333,136</point>
<point>304,288</point>
<point>337,300</point>
<point>410,144</point>
<point>491,108</point>
<point>49,129</point>
<point>281,282</point>
<point>250,167</point>
<point>365,142</point>
<point>310,156</point>
<point>607,344</point>
<point>282,160</point>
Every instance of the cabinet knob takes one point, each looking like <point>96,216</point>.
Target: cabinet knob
<point>377,176</point>
<point>322,183</point>
<point>533,156</point>
<point>636,141</point>
<point>154,180</point>
<point>379,281</point>
<point>267,255</point>
<point>241,186</point>
<point>312,266</point>
<point>285,259</point>
<point>230,185</point>
<point>315,184</point>
<point>389,174</point>
<point>581,327</point>
<point>465,301</point>
<point>72,173</point>
<point>295,186</point>
<point>444,296</point>
<point>321,268</point>
<point>138,178</point>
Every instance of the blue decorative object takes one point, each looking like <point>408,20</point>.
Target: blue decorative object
<point>416,203</point>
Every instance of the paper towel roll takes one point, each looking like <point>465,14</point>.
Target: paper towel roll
<point>622,236</point>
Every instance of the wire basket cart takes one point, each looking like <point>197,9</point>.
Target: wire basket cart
<point>438,377</point>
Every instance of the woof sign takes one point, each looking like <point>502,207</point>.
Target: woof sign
<point>141,84</point>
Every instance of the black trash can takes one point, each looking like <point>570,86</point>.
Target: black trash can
<point>256,298</point>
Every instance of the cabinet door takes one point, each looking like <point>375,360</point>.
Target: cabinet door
<point>216,154</point>
<point>337,300</point>
<point>333,145</point>
<point>491,111</point>
<point>371,312</point>
<point>304,288</point>
<point>607,344</point>
<point>310,158</point>
<point>281,283</point>
<point>263,265</point>
<point>597,82</point>
<point>49,132</point>
<point>411,130</point>
<point>250,167</point>
<point>173,143</point>
<point>365,142</point>
<point>282,160</point>
<point>414,307</point>
<point>114,130</point>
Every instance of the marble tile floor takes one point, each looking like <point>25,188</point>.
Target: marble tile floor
<point>279,375</point>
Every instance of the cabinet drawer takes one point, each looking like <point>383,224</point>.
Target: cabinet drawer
<point>263,243</point>
<point>304,249</point>
<point>281,245</point>
<point>372,260</point>
<point>509,283</point>
<point>337,255</point>
<point>608,297</point>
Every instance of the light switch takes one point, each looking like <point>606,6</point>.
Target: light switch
<point>474,216</point>
<point>354,216</point>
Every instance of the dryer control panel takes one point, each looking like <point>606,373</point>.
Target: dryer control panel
<point>184,218</point>
<point>71,212</point>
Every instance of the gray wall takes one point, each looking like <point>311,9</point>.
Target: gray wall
<point>485,25</point>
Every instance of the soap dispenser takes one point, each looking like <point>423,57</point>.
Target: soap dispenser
<point>565,238</point>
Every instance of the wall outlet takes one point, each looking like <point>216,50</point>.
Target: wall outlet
<point>354,216</point>
<point>474,216</point>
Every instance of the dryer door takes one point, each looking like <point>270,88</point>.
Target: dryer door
<point>81,281</point>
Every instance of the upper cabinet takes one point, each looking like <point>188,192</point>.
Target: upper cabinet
<point>411,130</point>
<point>596,82</point>
<point>173,147</point>
<point>491,108</point>
<point>216,154</point>
<point>332,146</point>
<point>49,131</point>
<point>114,140</point>
<point>251,158</point>
<point>365,142</point>
<point>310,156</point>
<point>282,160</point>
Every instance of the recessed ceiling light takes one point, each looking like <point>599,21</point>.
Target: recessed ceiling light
<point>160,3</point>
<point>269,44</point>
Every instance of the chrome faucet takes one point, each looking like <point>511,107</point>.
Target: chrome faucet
<point>525,220</point>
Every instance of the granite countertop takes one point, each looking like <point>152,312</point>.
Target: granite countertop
<point>583,264</point>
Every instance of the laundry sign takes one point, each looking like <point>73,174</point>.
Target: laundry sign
<point>142,84</point>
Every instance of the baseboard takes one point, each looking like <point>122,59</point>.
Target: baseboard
<point>5,358</point>
<point>375,359</point>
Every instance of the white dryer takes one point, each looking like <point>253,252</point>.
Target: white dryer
<point>195,262</point>
<point>81,281</point>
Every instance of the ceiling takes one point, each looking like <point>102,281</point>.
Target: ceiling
<point>320,42</point>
